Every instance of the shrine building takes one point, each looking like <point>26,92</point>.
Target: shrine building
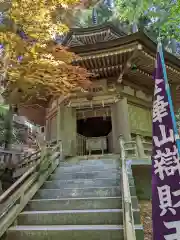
<point>119,102</point>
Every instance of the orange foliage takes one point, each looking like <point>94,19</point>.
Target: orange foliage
<point>45,69</point>
<point>50,74</point>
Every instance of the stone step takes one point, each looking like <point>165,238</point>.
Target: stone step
<point>90,162</point>
<point>78,203</point>
<point>88,232</point>
<point>82,183</point>
<point>78,192</point>
<point>81,180</point>
<point>81,192</point>
<point>99,182</point>
<point>80,199</point>
<point>86,168</point>
<point>75,217</point>
<point>85,175</point>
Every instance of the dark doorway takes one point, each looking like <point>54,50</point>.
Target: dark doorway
<point>94,127</point>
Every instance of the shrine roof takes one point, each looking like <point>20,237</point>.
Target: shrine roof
<point>109,52</point>
<point>85,41</point>
<point>109,58</point>
<point>92,35</point>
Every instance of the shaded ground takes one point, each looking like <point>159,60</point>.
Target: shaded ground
<point>146,218</point>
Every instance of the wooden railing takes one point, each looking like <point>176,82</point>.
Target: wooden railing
<point>9,158</point>
<point>17,196</point>
<point>12,158</point>
<point>30,160</point>
<point>25,163</point>
<point>131,149</point>
<point>128,219</point>
<point>138,148</point>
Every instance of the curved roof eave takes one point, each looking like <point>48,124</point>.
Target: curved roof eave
<point>97,28</point>
<point>140,37</point>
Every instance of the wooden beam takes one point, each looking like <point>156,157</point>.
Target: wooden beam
<point>129,62</point>
<point>140,70</point>
<point>134,84</point>
<point>100,70</point>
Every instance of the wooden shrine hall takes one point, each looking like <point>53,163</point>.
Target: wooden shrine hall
<point>120,99</point>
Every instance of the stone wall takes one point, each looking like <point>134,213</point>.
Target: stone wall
<point>142,178</point>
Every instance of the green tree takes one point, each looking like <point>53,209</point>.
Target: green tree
<point>131,11</point>
<point>154,17</point>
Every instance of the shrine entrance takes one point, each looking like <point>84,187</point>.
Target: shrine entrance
<point>94,127</point>
<point>95,133</point>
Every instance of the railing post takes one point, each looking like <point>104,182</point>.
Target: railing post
<point>140,146</point>
<point>102,146</point>
<point>61,150</point>
<point>147,149</point>
<point>129,231</point>
<point>1,190</point>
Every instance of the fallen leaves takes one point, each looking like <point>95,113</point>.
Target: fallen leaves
<point>146,218</point>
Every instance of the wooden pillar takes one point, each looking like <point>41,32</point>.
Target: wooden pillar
<point>115,142</point>
<point>69,131</point>
<point>120,123</point>
<point>124,120</point>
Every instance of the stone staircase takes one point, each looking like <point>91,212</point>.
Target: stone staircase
<point>80,200</point>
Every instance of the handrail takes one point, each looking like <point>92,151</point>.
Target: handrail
<point>26,162</point>
<point>14,199</point>
<point>10,190</point>
<point>8,156</point>
<point>129,230</point>
<point>28,156</point>
<point>29,160</point>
